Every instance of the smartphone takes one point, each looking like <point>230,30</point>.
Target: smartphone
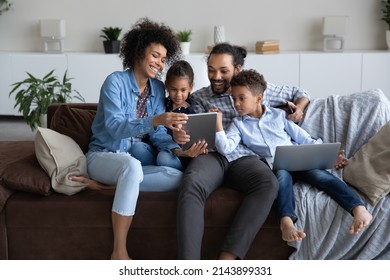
<point>286,107</point>
<point>290,109</point>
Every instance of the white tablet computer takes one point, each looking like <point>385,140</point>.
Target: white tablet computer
<point>306,156</point>
<point>201,126</point>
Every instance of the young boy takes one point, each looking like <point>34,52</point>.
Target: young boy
<point>261,129</point>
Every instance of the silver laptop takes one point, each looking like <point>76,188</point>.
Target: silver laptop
<point>201,126</point>
<point>306,156</point>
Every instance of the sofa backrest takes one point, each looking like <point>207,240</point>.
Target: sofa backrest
<point>73,120</point>
<point>53,108</point>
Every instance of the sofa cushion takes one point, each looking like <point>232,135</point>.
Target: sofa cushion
<point>27,175</point>
<point>75,123</point>
<point>61,157</point>
<point>369,170</point>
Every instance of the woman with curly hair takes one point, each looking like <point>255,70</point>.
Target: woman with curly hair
<point>131,113</point>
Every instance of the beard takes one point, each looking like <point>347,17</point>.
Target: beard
<point>223,88</point>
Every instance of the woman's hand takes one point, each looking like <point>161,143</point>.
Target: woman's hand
<point>171,120</point>
<point>341,160</point>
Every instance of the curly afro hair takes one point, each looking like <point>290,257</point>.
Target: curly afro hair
<point>144,33</point>
<point>251,79</point>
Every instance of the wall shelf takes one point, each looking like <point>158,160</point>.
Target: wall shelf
<point>321,74</point>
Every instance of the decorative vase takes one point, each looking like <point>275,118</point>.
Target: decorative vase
<point>388,39</point>
<point>111,46</point>
<point>43,120</point>
<point>185,47</point>
<point>219,34</point>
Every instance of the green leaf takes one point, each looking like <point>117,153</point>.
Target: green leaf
<point>184,35</point>
<point>34,95</point>
<point>111,33</point>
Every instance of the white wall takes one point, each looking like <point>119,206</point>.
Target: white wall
<point>296,23</point>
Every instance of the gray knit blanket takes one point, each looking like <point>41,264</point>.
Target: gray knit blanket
<point>352,120</point>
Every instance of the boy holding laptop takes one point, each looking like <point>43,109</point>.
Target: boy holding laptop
<point>261,129</point>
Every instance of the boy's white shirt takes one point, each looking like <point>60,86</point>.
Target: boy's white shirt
<point>263,135</point>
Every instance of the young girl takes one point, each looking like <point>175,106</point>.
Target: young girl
<point>261,129</point>
<point>178,83</point>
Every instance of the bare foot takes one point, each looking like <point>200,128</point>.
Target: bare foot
<point>289,231</point>
<point>91,184</point>
<point>361,219</point>
<point>227,256</point>
<point>341,160</point>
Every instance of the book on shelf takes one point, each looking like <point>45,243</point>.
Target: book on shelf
<point>268,43</point>
<point>268,52</point>
<point>268,46</point>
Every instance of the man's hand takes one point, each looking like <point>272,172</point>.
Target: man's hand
<point>297,115</point>
<point>298,107</point>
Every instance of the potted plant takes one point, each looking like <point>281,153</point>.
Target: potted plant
<point>184,36</point>
<point>111,35</point>
<point>34,95</point>
<point>5,5</point>
<point>386,18</point>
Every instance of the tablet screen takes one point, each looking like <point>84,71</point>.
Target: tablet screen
<point>201,126</point>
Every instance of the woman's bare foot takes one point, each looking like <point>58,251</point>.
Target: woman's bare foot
<point>289,231</point>
<point>361,219</point>
<point>91,184</point>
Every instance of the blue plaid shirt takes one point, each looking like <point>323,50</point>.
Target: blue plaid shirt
<point>205,99</point>
<point>275,96</point>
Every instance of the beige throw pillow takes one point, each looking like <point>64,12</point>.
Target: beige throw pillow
<point>369,169</point>
<point>60,156</point>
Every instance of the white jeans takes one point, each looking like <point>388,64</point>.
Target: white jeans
<point>126,172</point>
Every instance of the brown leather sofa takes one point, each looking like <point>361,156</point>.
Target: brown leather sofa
<point>37,223</point>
